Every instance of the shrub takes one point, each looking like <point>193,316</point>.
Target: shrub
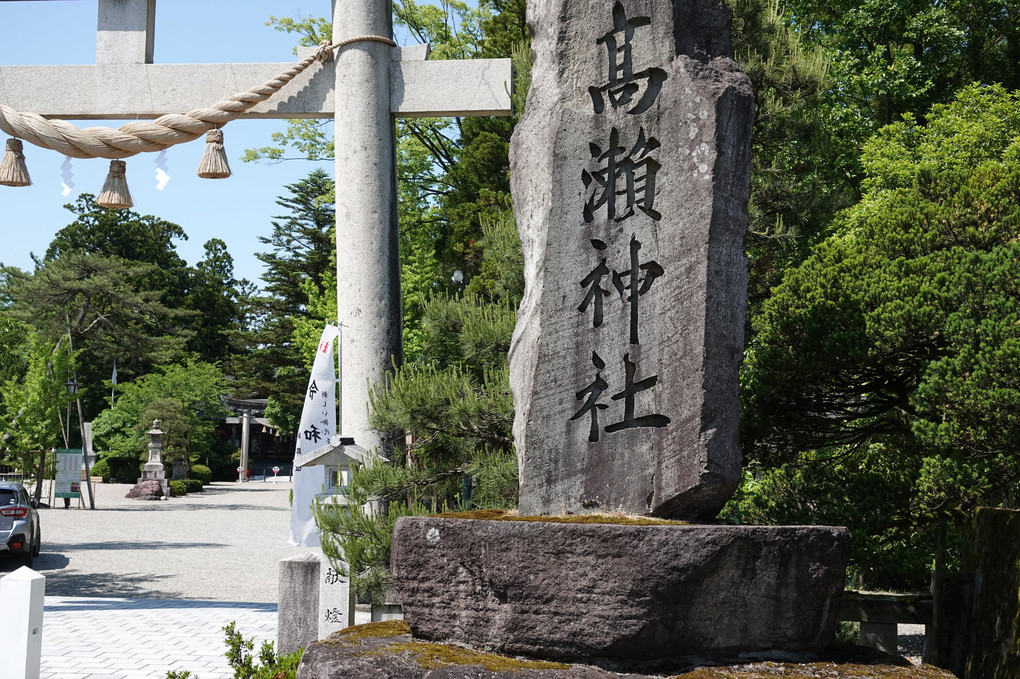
<point>193,485</point>
<point>202,473</point>
<point>178,488</point>
<point>116,469</point>
<point>101,468</point>
<point>268,665</point>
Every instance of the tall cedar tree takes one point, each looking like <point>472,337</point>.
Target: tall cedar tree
<point>300,256</point>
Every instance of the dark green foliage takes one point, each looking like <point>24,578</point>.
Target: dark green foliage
<point>893,352</point>
<point>193,485</point>
<point>201,473</point>
<point>127,235</point>
<point>116,469</point>
<point>178,488</point>
<point>96,302</point>
<point>797,182</point>
<point>220,302</point>
<point>185,398</point>
<point>101,469</point>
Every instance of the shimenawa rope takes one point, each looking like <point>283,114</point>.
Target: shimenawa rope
<point>161,133</point>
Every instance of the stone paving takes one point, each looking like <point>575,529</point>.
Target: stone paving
<point>135,589</point>
<point>94,638</point>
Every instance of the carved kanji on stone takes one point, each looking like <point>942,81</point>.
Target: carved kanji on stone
<point>630,173</point>
<point>624,173</point>
<point>624,84</point>
<point>592,393</point>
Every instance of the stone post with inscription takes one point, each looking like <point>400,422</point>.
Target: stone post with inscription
<point>624,362</point>
<point>630,174</point>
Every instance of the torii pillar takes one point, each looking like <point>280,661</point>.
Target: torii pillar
<point>367,238</point>
<point>363,89</point>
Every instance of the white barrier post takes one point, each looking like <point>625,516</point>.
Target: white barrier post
<point>21,599</point>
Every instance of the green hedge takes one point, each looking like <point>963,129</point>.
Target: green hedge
<point>101,468</point>
<point>202,473</point>
<point>193,485</point>
<point>118,469</point>
<point>178,488</point>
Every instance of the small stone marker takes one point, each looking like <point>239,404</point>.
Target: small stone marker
<point>314,602</point>
<point>21,600</point>
<point>630,175</point>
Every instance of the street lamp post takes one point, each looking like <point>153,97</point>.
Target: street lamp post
<point>72,389</point>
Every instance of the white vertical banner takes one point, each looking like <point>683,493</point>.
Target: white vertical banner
<point>318,424</point>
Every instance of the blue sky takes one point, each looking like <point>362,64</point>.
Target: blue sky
<point>238,209</point>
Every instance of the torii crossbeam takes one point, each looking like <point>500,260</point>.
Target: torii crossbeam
<point>362,89</point>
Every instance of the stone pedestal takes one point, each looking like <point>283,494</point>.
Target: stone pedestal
<point>387,651</point>
<point>635,592</point>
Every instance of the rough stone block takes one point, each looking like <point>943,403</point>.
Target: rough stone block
<point>630,173</point>
<point>146,489</point>
<point>580,590</point>
<point>994,649</point>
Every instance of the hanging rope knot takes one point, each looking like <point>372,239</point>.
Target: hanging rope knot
<point>325,51</point>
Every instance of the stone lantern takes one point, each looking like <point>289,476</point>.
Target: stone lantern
<point>153,470</point>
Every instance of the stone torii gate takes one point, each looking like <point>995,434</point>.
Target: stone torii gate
<point>363,88</point>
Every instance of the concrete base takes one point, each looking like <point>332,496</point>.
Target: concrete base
<point>583,590</point>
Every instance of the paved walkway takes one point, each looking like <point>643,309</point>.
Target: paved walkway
<point>93,638</point>
<point>136,589</point>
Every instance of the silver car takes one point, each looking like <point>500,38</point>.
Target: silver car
<point>19,523</point>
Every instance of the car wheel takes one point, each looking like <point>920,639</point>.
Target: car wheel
<point>37,547</point>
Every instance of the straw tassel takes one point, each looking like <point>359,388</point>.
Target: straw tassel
<point>115,195</point>
<point>214,163</point>
<point>13,171</point>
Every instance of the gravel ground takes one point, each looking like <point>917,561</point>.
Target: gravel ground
<point>222,544</point>
<point>910,642</point>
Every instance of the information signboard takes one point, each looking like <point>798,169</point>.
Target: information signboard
<point>68,480</point>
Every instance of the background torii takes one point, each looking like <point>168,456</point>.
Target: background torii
<point>363,89</point>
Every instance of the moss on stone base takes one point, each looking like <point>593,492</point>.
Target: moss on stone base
<point>769,670</point>
<point>388,649</point>
<point>431,656</point>
<point>427,654</point>
<point>506,515</point>
<point>374,630</point>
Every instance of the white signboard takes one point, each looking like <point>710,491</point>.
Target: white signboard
<point>68,482</point>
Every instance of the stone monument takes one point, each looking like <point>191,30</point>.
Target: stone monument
<point>631,172</point>
<point>632,215</point>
